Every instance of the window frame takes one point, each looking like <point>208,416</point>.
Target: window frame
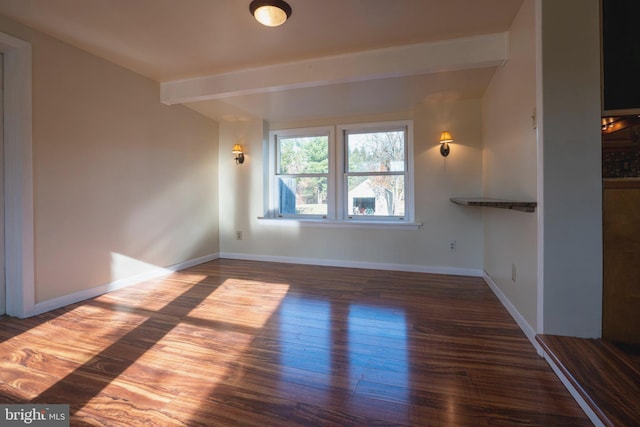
<point>337,190</point>
<point>343,196</point>
<point>274,163</point>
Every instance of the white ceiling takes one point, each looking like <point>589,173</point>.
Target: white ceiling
<point>168,40</point>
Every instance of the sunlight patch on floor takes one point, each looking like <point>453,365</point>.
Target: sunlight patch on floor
<point>250,303</point>
<point>172,366</point>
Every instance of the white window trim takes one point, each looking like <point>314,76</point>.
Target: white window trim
<point>272,209</point>
<point>337,216</point>
<point>340,171</point>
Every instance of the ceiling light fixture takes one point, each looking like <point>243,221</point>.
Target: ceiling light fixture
<point>270,12</point>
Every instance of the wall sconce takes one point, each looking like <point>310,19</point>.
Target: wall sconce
<point>237,150</point>
<point>445,139</point>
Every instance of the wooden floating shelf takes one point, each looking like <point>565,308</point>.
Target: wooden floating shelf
<point>515,205</point>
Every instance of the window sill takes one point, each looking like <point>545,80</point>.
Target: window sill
<point>352,224</point>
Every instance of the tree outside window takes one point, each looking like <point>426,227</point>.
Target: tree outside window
<point>303,170</point>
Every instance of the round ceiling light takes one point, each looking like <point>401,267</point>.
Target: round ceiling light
<point>270,12</point>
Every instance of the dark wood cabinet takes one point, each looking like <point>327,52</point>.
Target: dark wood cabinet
<point>621,260</point>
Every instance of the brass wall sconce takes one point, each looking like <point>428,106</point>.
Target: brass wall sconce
<point>237,150</point>
<point>445,139</point>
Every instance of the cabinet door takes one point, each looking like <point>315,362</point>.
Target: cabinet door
<point>621,265</point>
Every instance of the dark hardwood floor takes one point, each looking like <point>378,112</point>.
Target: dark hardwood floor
<point>606,375</point>
<point>631,354</point>
<point>250,343</point>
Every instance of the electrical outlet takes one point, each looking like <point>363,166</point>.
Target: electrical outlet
<point>452,246</point>
<point>238,235</point>
<point>513,272</point>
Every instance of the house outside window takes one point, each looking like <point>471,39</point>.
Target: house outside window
<point>365,174</point>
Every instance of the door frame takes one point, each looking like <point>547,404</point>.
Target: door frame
<point>18,174</point>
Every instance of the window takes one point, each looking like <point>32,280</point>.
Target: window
<point>365,175</point>
<point>301,184</point>
<point>374,172</point>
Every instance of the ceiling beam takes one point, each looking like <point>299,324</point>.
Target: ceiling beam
<point>424,58</point>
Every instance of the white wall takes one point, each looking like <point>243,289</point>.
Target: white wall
<point>436,179</point>
<point>122,183</point>
<point>571,168</point>
<point>510,168</point>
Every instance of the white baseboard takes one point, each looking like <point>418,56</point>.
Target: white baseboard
<point>451,271</point>
<point>75,297</point>
<point>513,311</point>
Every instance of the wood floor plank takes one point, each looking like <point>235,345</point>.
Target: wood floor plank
<point>234,342</point>
<point>601,373</point>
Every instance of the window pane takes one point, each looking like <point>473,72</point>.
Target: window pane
<point>376,152</point>
<point>376,195</point>
<point>303,155</point>
<point>302,196</point>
